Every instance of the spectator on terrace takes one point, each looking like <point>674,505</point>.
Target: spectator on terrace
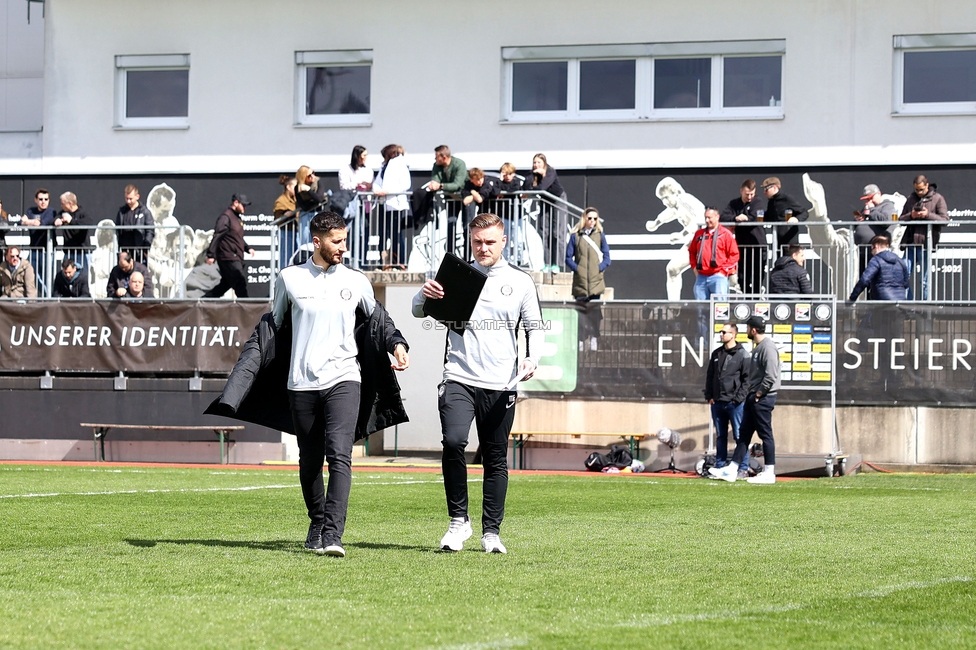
<point>714,256</point>
<point>42,214</point>
<point>393,178</point>
<point>781,208</point>
<point>356,176</point>
<point>554,221</point>
<point>447,175</point>
<point>876,208</point>
<point>588,256</point>
<point>137,240</point>
<point>70,282</point>
<point>284,205</point>
<point>118,279</point>
<point>886,276</point>
<point>309,201</point>
<point>17,277</point>
<point>509,182</point>
<point>788,276</point>
<point>924,204</point>
<point>77,238</point>
<point>751,240</point>
<point>477,189</point>
<point>137,286</point>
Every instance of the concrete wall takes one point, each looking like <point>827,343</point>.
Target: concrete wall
<point>837,80</point>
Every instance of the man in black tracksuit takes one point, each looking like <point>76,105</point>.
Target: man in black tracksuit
<point>227,248</point>
<point>726,385</point>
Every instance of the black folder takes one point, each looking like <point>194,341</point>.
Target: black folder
<point>462,283</point>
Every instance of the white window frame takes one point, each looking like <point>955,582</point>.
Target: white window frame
<point>325,58</point>
<point>927,43</point>
<point>125,63</point>
<point>645,54</point>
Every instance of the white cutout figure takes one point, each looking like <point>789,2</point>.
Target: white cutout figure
<point>687,210</point>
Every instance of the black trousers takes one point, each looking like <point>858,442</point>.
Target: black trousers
<point>232,276</point>
<point>758,418</point>
<point>325,422</point>
<point>493,412</point>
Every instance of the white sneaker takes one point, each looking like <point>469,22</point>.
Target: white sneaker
<point>727,473</point>
<point>457,533</point>
<point>593,344</point>
<point>492,543</point>
<point>764,477</point>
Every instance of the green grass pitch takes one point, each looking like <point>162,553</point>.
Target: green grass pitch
<point>166,557</point>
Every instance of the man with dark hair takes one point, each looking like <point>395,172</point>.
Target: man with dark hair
<point>481,370</point>
<point>447,175</point>
<point>726,385</point>
<point>788,276</point>
<point>135,240</point>
<point>42,214</point>
<point>227,248</point>
<point>764,383</point>
<point>781,208</point>
<point>118,278</point>
<point>323,299</point>
<point>753,249</point>
<point>924,204</point>
<point>70,282</point>
<point>886,275</point>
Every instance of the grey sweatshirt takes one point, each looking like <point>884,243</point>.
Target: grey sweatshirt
<point>486,355</point>
<point>764,372</point>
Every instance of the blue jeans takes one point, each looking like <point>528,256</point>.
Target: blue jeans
<point>723,414</point>
<point>707,286</point>
<point>918,255</point>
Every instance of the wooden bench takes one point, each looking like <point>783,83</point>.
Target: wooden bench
<point>519,438</point>
<point>222,432</point>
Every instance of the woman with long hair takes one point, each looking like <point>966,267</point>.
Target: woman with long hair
<point>393,178</point>
<point>286,202</point>
<point>309,201</point>
<point>588,255</point>
<point>554,226</point>
<point>356,176</point>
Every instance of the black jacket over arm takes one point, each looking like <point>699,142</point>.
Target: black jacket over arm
<point>257,391</point>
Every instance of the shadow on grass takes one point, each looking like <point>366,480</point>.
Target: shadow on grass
<point>286,545</point>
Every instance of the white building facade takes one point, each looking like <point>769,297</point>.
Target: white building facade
<point>251,86</point>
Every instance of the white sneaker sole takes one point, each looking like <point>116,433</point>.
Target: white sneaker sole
<point>334,551</point>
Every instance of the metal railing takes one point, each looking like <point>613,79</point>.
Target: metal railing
<point>537,225</point>
<point>835,261</point>
<point>174,253</point>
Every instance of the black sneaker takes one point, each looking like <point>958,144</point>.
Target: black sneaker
<point>333,547</point>
<point>314,540</point>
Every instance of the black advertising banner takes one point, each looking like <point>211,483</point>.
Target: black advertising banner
<point>129,336</point>
<point>885,353</point>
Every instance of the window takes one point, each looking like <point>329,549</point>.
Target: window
<point>736,79</point>
<point>935,74</point>
<point>152,91</point>
<point>333,88</point>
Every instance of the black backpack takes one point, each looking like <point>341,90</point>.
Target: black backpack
<point>595,462</point>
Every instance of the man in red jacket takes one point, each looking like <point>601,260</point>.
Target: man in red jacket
<point>714,256</point>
